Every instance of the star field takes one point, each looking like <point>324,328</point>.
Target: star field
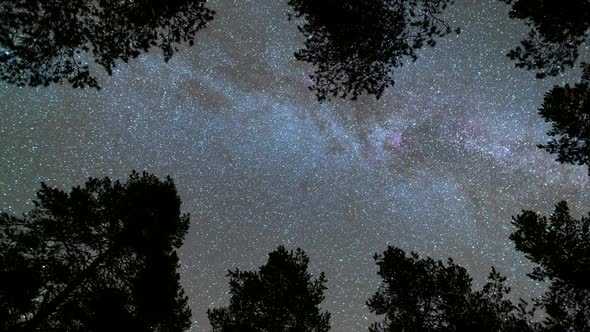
<point>438,165</point>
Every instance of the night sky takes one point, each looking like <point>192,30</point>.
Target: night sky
<point>438,165</point>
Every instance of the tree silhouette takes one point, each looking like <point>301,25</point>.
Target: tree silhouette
<point>44,42</point>
<point>560,246</point>
<point>558,29</point>
<point>99,257</point>
<point>355,45</point>
<point>281,296</point>
<point>568,110</point>
<point>426,295</point>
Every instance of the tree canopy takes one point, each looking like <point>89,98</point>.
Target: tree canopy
<point>355,45</point>
<point>568,110</point>
<point>421,294</point>
<point>558,29</point>
<point>560,246</point>
<point>45,42</point>
<point>101,257</point>
<point>281,296</point>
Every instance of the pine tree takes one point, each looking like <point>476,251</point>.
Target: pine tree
<point>421,294</point>
<point>99,257</point>
<point>355,45</point>
<point>560,248</point>
<point>281,296</point>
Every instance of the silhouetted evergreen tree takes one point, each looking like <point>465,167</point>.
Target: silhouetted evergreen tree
<point>419,294</point>
<point>560,246</point>
<point>281,296</point>
<point>558,29</point>
<point>44,42</point>
<point>101,257</point>
<point>356,44</point>
<point>568,110</point>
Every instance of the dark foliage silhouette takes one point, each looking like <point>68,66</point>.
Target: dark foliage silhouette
<point>355,45</point>
<point>420,294</point>
<point>568,110</point>
<point>44,42</point>
<point>101,257</point>
<point>558,29</point>
<point>281,296</point>
<point>560,246</point>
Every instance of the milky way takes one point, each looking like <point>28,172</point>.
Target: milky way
<point>438,165</point>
